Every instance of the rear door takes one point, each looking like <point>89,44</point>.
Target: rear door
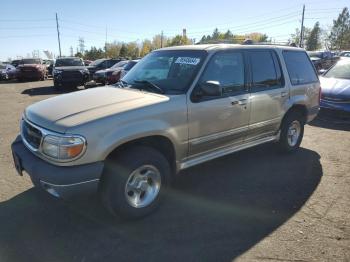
<point>268,93</point>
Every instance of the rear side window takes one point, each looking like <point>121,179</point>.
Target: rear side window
<point>265,70</point>
<point>299,67</point>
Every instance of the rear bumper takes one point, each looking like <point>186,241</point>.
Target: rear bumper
<point>60,181</point>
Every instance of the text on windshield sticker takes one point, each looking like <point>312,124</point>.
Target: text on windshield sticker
<point>187,60</point>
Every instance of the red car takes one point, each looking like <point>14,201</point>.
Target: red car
<point>31,69</point>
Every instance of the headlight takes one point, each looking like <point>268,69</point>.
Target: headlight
<point>84,71</point>
<point>63,148</point>
<point>56,71</point>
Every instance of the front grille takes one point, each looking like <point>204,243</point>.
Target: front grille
<point>72,76</point>
<point>31,135</point>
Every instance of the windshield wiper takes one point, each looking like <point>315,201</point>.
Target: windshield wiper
<point>151,85</point>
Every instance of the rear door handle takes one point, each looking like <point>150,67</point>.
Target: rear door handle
<point>283,94</point>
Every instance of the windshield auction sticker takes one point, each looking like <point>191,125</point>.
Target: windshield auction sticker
<point>187,60</point>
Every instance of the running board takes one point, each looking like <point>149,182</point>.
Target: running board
<point>225,151</point>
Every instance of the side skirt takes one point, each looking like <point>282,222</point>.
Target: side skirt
<point>225,151</point>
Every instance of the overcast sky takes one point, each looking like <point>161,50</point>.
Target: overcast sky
<point>30,25</point>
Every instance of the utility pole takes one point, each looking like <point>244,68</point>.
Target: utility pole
<point>106,44</point>
<point>161,40</point>
<point>58,36</point>
<point>301,41</point>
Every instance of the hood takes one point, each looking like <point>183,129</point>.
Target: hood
<point>62,112</point>
<point>335,87</point>
<point>70,68</point>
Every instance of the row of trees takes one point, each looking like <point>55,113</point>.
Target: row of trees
<point>134,50</point>
<point>337,38</point>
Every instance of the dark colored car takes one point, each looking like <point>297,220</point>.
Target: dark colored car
<point>31,69</point>
<point>7,72</point>
<point>101,64</point>
<point>128,67</point>
<point>345,54</point>
<point>70,71</point>
<point>110,75</point>
<point>15,63</point>
<point>335,97</point>
<point>322,59</point>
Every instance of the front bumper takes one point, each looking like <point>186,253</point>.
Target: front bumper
<point>60,181</point>
<point>326,104</point>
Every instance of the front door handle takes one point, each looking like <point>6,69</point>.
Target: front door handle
<point>241,102</point>
<point>283,94</point>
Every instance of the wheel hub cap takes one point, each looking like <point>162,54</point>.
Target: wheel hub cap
<point>293,133</point>
<point>142,186</point>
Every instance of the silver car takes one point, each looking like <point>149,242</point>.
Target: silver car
<point>178,107</point>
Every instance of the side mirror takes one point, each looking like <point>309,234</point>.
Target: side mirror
<point>210,88</point>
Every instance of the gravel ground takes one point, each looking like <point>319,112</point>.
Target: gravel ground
<point>255,205</point>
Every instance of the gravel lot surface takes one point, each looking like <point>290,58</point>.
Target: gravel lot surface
<point>255,205</point>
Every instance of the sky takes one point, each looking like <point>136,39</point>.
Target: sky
<point>28,25</point>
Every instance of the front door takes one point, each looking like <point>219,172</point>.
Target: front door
<point>217,122</point>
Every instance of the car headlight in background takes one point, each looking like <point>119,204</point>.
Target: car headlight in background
<point>56,71</point>
<point>84,71</point>
<point>63,148</point>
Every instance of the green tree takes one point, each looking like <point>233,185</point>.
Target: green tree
<point>340,33</point>
<point>313,41</point>
<point>123,51</point>
<point>94,53</point>
<point>216,34</point>
<point>146,47</point>
<point>179,40</point>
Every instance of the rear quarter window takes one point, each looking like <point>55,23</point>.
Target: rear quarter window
<point>299,67</point>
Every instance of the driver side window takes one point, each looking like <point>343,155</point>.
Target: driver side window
<point>227,69</point>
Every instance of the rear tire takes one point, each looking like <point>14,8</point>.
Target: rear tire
<point>292,132</point>
<point>135,182</point>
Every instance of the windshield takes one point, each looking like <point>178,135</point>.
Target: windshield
<point>340,70</point>
<point>315,54</point>
<point>120,64</point>
<point>96,62</point>
<point>30,61</point>
<point>69,62</point>
<point>171,71</point>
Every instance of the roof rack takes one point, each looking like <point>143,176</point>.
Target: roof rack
<point>247,42</point>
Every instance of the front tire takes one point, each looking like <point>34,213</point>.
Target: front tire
<point>292,132</point>
<point>135,182</point>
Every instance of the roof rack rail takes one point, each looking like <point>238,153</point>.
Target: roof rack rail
<point>247,42</point>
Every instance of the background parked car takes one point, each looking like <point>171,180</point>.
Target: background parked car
<point>15,63</point>
<point>31,68</point>
<point>7,71</point>
<point>70,71</point>
<point>101,64</point>
<point>110,75</point>
<point>49,65</point>
<point>345,54</point>
<point>87,62</point>
<point>335,97</point>
<point>322,59</point>
<point>128,67</point>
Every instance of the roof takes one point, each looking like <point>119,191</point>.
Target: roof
<point>229,46</point>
